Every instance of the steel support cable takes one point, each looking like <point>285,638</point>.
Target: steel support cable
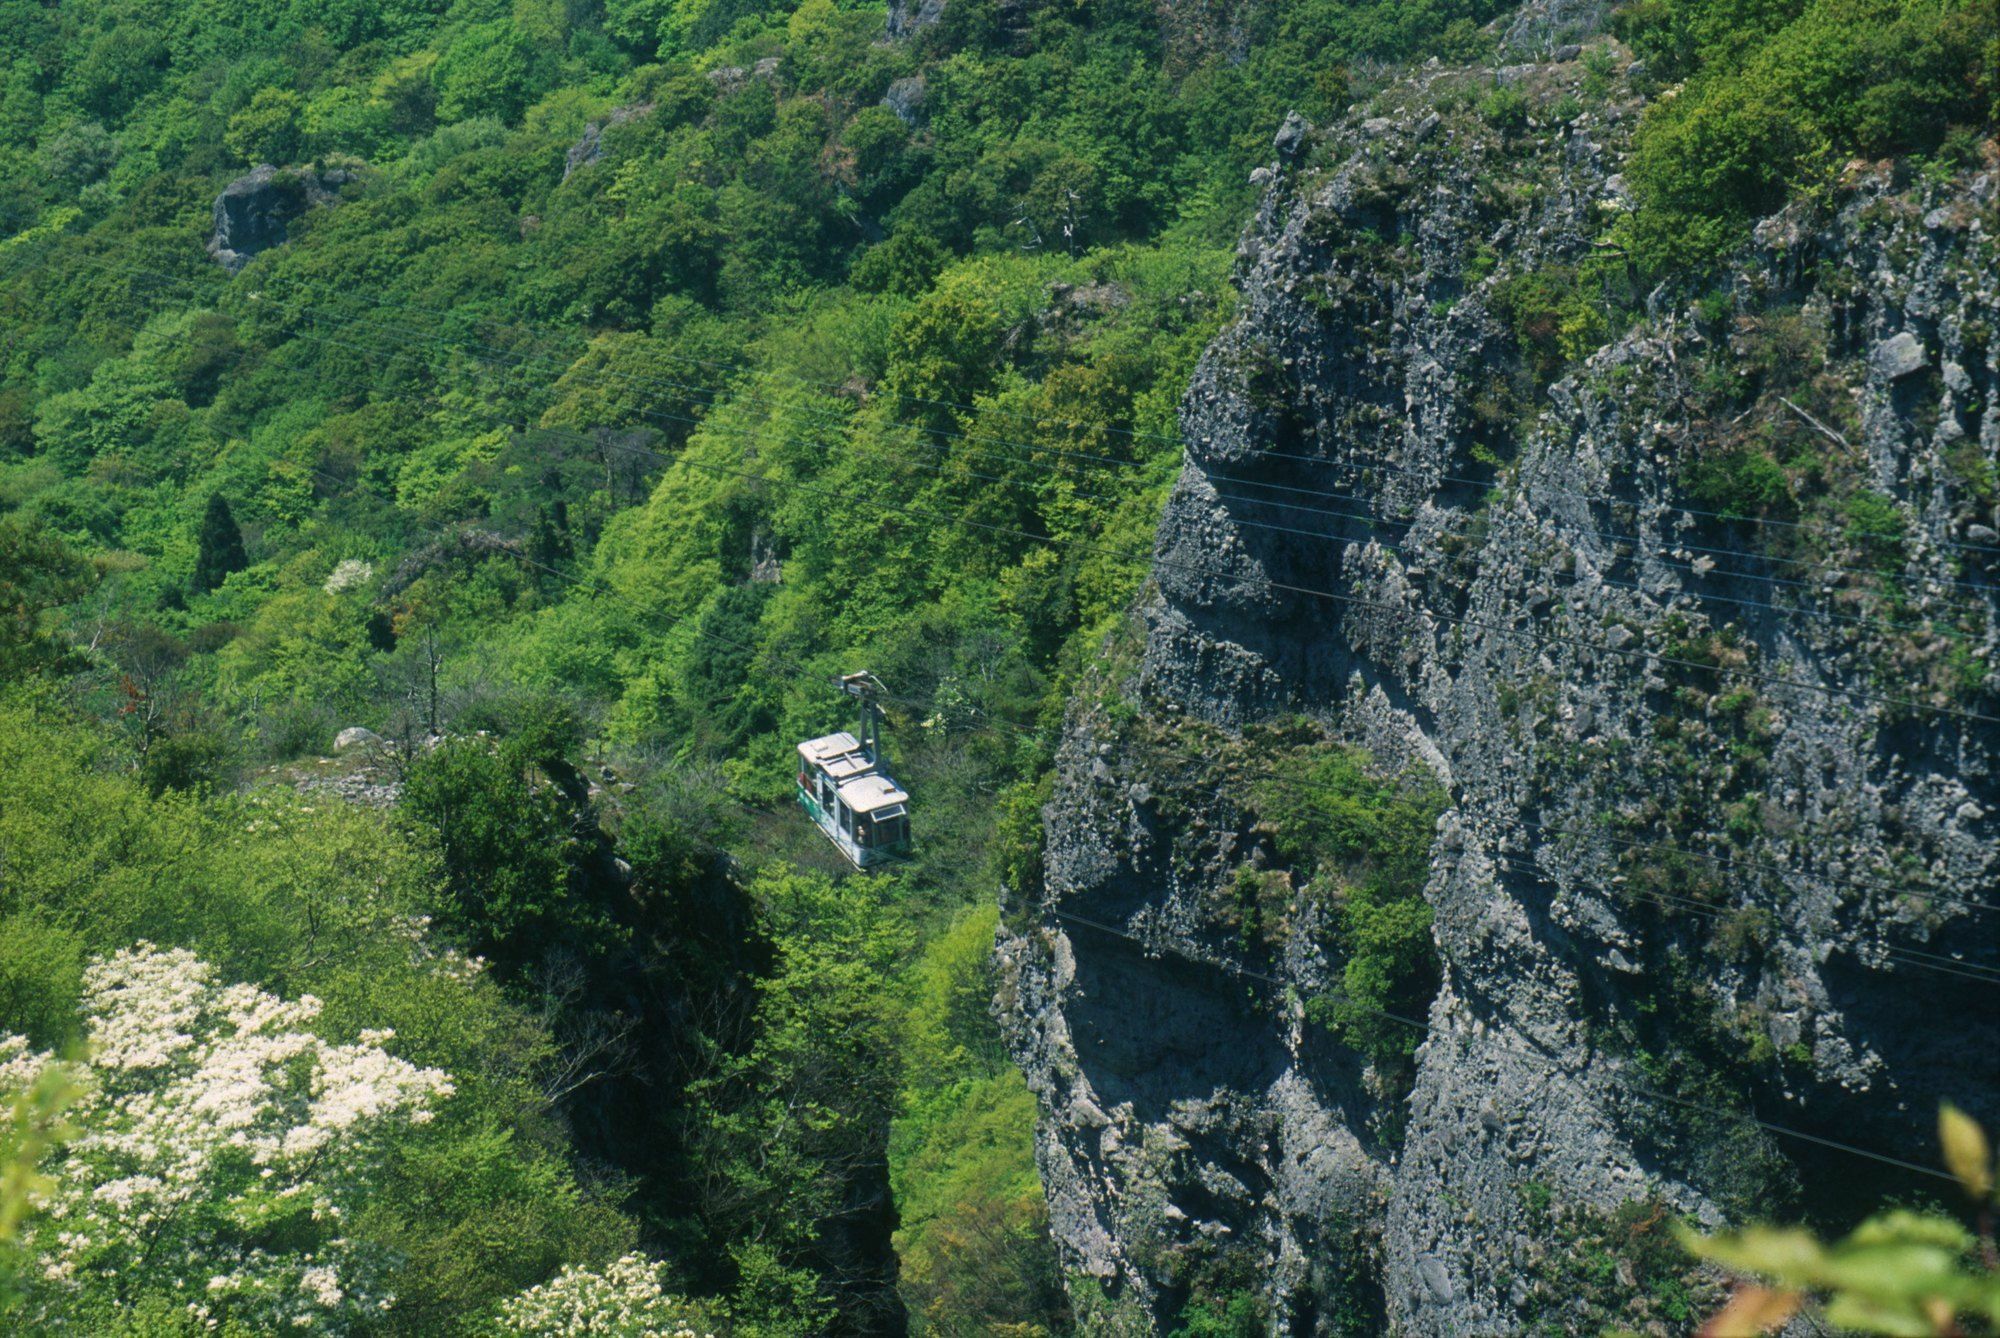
<point>1699,596</point>
<point>1912,888</point>
<point>1623,841</point>
<point>1382,463</point>
<point>1178,439</point>
<point>1650,657</point>
<point>1763,866</point>
<point>687,391</point>
<point>1947,632</point>
<point>689,394</point>
<point>1618,537</point>
<point>1533,1056</point>
<point>1893,890</point>
<point>1915,958</point>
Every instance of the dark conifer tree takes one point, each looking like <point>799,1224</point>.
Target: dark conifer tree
<point>218,547</point>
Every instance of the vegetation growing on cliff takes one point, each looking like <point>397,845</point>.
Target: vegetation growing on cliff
<point>1773,99</point>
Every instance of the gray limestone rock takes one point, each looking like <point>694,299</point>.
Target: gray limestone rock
<point>588,147</point>
<point>907,19</point>
<point>254,211</point>
<point>1505,631</point>
<point>1899,356</point>
<point>905,97</point>
<point>1292,135</point>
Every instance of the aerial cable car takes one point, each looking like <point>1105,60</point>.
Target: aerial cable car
<point>846,791</point>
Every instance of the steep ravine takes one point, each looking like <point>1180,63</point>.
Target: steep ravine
<point>1672,891</point>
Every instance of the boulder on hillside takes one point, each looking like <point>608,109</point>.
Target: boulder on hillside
<point>254,211</point>
<point>906,98</point>
<point>1900,356</point>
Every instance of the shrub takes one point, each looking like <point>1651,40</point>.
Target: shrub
<point>1778,96</point>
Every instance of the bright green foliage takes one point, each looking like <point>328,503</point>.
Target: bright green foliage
<point>766,385</point>
<point>1365,838</point>
<point>33,1124</point>
<point>38,574</point>
<point>516,855</point>
<point>1018,839</point>
<point>1237,1315</point>
<point>476,1205</point>
<point>973,1236</point>
<point>1778,97</point>
<point>782,1125</point>
<point>1554,318</point>
<point>1899,1272</point>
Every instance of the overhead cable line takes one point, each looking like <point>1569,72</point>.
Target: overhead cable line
<point>1648,656</point>
<point>1947,632</point>
<point>1625,1086</point>
<point>1621,841</point>
<point>1857,694</point>
<point>1112,461</point>
<point>1926,623</point>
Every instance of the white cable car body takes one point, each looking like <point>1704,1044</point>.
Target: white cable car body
<point>844,790</point>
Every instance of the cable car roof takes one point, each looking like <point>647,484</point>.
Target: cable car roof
<point>838,755</point>
<point>871,794</point>
<point>828,747</point>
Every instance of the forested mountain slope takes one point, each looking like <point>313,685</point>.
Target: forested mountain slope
<point>447,451</point>
<point>563,394</point>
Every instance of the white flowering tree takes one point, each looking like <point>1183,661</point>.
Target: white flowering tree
<point>628,1299</point>
<point>218,1148</point>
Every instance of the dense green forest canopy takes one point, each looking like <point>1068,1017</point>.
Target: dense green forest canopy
<point>643,365</point>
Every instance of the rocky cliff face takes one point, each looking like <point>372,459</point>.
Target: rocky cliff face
<point>253,212</point>
<point>1722,795</point>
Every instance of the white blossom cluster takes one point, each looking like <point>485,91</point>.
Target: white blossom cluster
<point>628,1299</point>
<point>349,573</point>
<point>220,1145</point>
<point>428,951</point>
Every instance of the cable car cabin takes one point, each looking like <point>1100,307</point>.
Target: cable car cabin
<point>862,811</point>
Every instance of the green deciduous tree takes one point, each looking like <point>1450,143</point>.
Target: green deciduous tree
<point>790,1132</point>
<point>38,574</point>
<point>268,130</point>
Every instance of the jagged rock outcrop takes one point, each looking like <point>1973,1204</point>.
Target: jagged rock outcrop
<point>254,211</point>
<point>906,19</point>
<point>905,97</point>
<point>589,146</point>
<point>1722,794</point>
